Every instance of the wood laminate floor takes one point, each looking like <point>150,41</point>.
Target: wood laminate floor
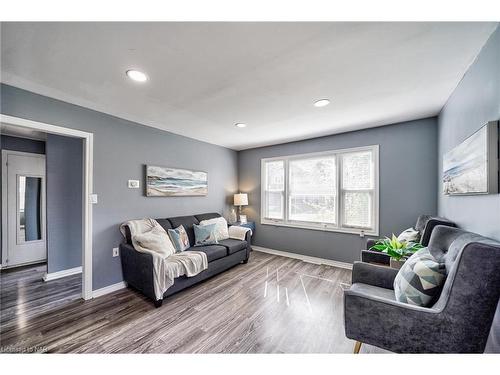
<point>270,305</point>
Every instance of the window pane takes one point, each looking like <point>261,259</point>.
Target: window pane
<point>312,190</point>
<point>275,187</point>
<point>315,208</point>
<point>274,205</point>
<point>357,209</point>
<point>357,171</point>
<point>275,176</point>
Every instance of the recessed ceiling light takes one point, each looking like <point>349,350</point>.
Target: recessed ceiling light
<point>136,75</point>
<point>240,125</point>
<point>321,103</point>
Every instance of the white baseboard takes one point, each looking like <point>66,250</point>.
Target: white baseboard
<point>63,273</point>
<point>109,289</point>
<point>305,258</point>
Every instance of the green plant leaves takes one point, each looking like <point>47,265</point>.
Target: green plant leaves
<point>396,249</point>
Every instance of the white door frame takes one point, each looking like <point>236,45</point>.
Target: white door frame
<point>88,157</point>
<point>5,231</point>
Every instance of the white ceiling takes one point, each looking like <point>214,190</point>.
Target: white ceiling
<point>205,77</point>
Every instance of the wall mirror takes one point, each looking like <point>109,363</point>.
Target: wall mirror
<point>29,208</point>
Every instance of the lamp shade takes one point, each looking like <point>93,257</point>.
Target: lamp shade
<point>240,199</point>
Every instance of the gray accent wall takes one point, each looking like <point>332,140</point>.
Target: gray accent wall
<point>475,101</point>
<point>408,186</point>
<point>64,160</point>
<point>23,144</point>
<point>121,149</point>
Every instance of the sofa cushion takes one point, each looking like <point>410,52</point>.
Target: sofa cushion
<point>179,238</point>
<point>187,222</point>
<point>221,231</point>
<point>213,252</point>
<point>208,216</point>
<point>204,235</point>
<point>233,246</point>
<point>165,224</point>
<point>420,279</point>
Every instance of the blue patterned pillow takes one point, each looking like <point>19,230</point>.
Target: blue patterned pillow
<point>179,238</point>
<point>204,234</point>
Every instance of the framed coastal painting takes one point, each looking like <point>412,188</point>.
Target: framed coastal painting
<point>472,166</point>
<point>174,182</point>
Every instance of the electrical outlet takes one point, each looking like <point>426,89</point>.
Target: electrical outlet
<point>116,251</point>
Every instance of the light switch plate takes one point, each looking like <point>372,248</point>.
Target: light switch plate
<point>116,251</point>
<point>93,198</point>
<point>133,184</point>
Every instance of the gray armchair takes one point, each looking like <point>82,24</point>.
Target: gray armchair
<point>425,225</point>
<point>459,321</point>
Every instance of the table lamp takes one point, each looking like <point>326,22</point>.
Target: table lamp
<point>240,199</point>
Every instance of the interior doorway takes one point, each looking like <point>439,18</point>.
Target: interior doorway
<point>23,194</point>
<point>31,178</point>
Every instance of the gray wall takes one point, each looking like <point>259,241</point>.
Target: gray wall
<point>64,202</point>
<point>121,148</point>
<point>22,144</point>
<point>475,101</point>
<point>408,159</point>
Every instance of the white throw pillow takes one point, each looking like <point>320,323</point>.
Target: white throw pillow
<point>221,232</point>
<point>156,240</point>
<point>409,235</point>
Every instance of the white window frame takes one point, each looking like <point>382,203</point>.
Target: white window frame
<point>338,226</point>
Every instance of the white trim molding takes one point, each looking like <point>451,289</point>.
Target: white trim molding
<point>109,289</point>
<point>62,273</point>
<point>88,157</point>
<point>305,258</point>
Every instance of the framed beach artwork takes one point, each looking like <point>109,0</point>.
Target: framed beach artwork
<point>472,166</point>
<point>174,182</point>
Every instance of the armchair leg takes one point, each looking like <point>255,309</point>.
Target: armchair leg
<point>357,347</point>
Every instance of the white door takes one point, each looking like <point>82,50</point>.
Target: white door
<point>25,208</point>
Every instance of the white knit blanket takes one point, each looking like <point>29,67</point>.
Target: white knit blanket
<point>238,233</point>
<point>166,269</point>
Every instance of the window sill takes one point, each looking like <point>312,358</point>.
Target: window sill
<point>367,232</point>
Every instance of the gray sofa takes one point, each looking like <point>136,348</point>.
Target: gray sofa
<point>138,267</point>
<point>425,225</point>
<point>458,322</point>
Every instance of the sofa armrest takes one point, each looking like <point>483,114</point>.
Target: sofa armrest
<point>372,256</point>
<point>248,238</point>
<point>394,325</point>
<point>372,274</point>
<point>137,269</point>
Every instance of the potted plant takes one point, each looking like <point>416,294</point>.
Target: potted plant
<point>399,251</point>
